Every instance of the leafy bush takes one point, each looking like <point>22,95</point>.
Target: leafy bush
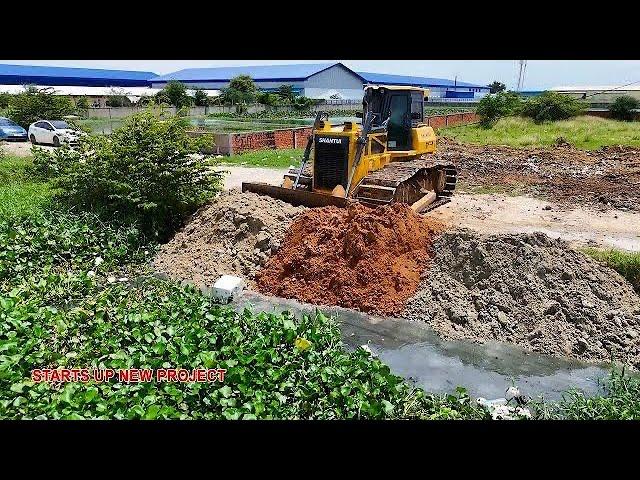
<point>552,106</point>
<point>493,107</point>
<point>623,108</point>
<point>268,99</point>
<point>37,104</point>
<point>148,172</point>
<point>301,103</point>
<point>5,100</point>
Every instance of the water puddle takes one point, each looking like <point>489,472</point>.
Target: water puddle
<point>415,352</point>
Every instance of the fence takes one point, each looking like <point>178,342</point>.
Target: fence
<point>234,143</point>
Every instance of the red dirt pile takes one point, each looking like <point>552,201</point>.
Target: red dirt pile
<point>366,258</point>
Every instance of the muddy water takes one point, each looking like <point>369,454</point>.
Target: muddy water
<point>415,352</point>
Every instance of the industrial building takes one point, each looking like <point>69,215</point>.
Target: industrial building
<point>605,94</point>
<point>329,81</point>
<point>95,84</point>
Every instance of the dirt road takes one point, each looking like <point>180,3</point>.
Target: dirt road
<point>497,213</point>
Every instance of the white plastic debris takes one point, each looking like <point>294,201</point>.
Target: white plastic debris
<point>512,392</point>
<point>227,287</point>
<point>367,349</point>
<point>91,274</point>
<point>111,279</point>
<point>98,261</point>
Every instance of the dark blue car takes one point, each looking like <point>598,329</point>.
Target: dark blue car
<point>10,130</point>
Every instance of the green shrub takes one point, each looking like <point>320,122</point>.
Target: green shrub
<point>148,172</point>
<point>38,104</point>
<point>5,100</point>
<point>493,107</point>
<point>626,264</point>
<point>552,106</point>
<point>623,108</point>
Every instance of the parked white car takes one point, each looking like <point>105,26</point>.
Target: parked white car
<point>52,132</point>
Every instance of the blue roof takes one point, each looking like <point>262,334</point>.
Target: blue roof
<point>257,72</point>
<point>30,74</point>
<point>387,79</point>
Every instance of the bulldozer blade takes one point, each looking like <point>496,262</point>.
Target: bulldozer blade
<point>295,197</point>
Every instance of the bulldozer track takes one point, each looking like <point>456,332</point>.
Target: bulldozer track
<point>404,181</point>
<point>400,181</point>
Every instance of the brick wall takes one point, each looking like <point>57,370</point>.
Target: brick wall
<point>234,143</point>
<point>451,119</point>
<point>269,140</point>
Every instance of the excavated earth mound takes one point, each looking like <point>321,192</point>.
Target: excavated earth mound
<point>530,290</point>
<point>366,258</point>
<point>233,235</point>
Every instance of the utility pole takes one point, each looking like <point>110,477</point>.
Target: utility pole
<point>521,73</point>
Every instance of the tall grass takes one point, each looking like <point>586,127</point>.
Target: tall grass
<point>626,264</point>
<point>20,195</point>
<point>621,401</point>
<point>584,132</point>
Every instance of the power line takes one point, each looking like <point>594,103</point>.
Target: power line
<point>611,89</point>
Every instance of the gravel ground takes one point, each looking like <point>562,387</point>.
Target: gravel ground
<point>529,290</point>
<point>21,149</point>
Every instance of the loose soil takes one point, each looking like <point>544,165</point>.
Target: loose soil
<point>530,290</point>
<point>370,259</point>
<point>234,235</point>
<point>608,177</point>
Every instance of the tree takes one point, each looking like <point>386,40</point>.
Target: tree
<point>268,99</point>
<point>117,98</point>
<point>200,98</point>
<point>623,108</point>
<point>286,93</point>
<point>37,104</point>
<point>82,105</point>
<point>176,94</point>
<point>492,107</point>
<point>241,91</point>
<point>497,87</point>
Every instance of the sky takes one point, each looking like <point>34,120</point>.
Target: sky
<point>539,75</point>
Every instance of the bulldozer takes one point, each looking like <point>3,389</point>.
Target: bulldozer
<point>387,158</point>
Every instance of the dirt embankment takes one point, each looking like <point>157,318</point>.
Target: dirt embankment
<point>234,235</point>
<point>608,177</point>
<point>529,290</point>
<point>359,257</point>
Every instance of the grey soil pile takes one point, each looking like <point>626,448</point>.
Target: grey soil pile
<point>234,235</point>
<point>530,290</point>
<point>607,177</point>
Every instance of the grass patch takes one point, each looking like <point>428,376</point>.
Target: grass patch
<point>585,132</point>
<point>625,263</point>
<point>19,195</point>
<point>266,158</point>
<point>621,401</point>
<point>509,190</point>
